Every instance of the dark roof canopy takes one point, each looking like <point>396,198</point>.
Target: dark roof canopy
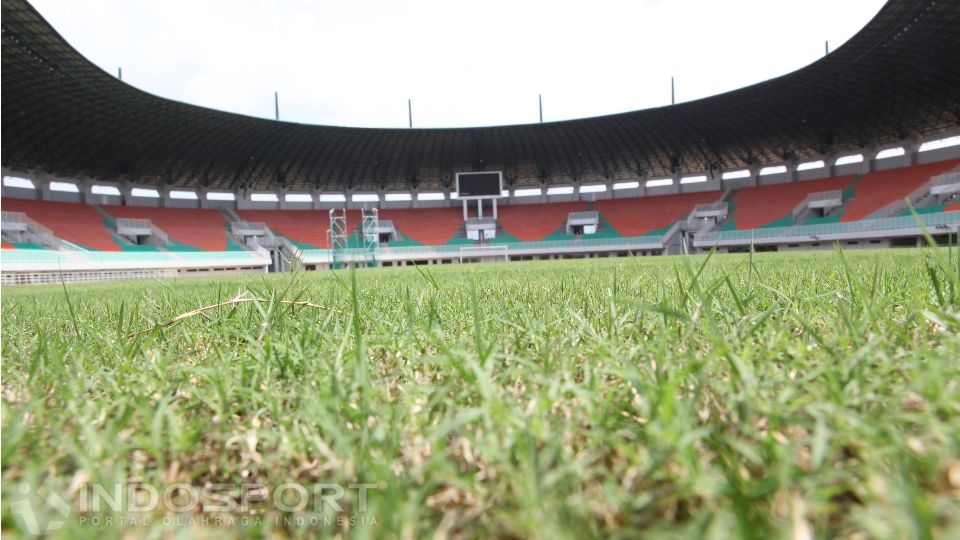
<point>898,78</point>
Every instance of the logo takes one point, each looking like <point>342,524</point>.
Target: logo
<point>38,510</point>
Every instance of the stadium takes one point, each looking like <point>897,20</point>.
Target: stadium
<point>759,338</point>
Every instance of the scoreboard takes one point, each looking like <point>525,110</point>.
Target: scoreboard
<point>479,185</point>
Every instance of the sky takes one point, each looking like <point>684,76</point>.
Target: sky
<point>462,63</point>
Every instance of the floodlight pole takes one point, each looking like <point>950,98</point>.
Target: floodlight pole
<point>276,105</point>
<point>120,73</point>
<point>540,99</point>
<point>826,48</point>
<point>410,111</point>
<point>673,99</point>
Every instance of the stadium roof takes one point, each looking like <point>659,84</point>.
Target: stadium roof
<point>898,78</point>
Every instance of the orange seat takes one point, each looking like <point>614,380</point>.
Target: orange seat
<point>74,222</point>
<point>881,188</point>
<point>759,205</point>
<point>301,226</point>
<point>201,228</point>
<point>429,226</point>
<point>532,222</point>
<point>640,215</point>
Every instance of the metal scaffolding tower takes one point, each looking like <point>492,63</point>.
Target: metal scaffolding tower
<point>370,225</point>
<point>338,237</point>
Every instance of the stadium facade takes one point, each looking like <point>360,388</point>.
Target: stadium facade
<point>104,180</point>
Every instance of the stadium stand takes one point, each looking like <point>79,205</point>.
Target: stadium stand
<point>56,129</point>
<point>645,215</point>
<point>876,190</point>
<point>190,228</point>
<point>61,96</point>
<point>428,226</point>
<point>76,223</point>
<point>758,206</point>
<point>532,222</point>
<point>306,228</point>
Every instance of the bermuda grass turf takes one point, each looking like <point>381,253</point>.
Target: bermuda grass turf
<point>803,395</point>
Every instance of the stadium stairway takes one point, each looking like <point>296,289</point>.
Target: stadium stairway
<point>229,214</point>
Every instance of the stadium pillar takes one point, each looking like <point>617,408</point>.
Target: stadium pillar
<point>714,179</point>
<point>42,182</point>
<point>282,198</point>
<point>243,199</point>
<point>754,179</point>
<point>830,165</point>
<point>85,185</point>
<point>911,147</point>
<point>126,192</point>
<point>869,159</point>
<point>792,170</point>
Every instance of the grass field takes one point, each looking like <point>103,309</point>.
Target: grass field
<point>799,395</point>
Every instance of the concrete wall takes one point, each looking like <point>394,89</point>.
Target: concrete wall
<point>952,152</point>
<point>20,193</point>
<point>115,200</point>
<point>181,203</point>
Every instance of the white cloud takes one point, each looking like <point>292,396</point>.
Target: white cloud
<point>355,62</point>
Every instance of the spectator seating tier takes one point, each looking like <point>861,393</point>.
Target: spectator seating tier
<point>429,226</point>
<point>878,189</point>
<point>76,223</point>
<point>532,222</point>
<point>643,215</point>
<point>203,229</point>
<point>308,228</point>
<point>760,205</point>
